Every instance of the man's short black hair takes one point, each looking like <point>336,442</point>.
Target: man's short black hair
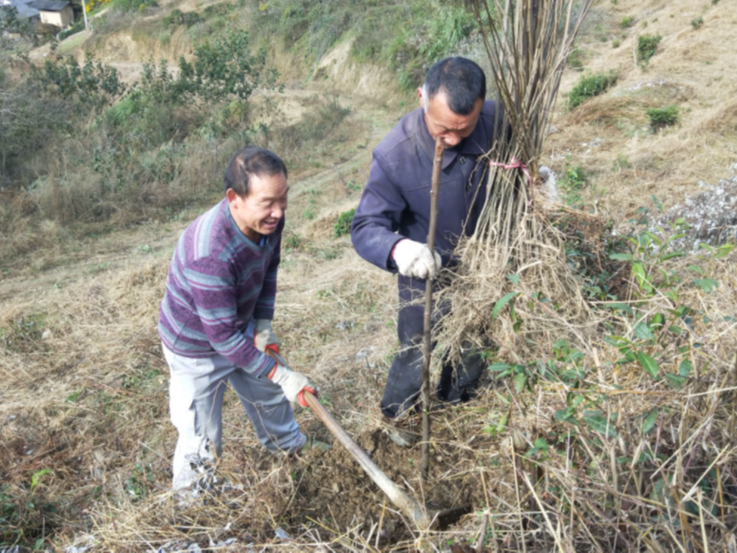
<point>463,80</point>
<point>248,162</point>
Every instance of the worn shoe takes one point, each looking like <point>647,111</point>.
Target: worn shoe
<point>314,444</point>
<point>403,432</point>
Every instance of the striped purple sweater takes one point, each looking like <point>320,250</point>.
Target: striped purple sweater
<point>218,281</point>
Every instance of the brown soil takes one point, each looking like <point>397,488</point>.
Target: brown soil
<point>335,490</point>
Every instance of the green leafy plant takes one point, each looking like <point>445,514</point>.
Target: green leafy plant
<point>223,67</point>
<point>647,47</point>
<point>36,477</point>
<point>649,343</point>
<point>627,21</point>
<point>343,224</point>
<point>663,117</point>
<point>522,377</point>
<point>697,22</point>
<point>139,483</point>
<point>96,83</point>
<point>589,86</point>
<point>571,183</point>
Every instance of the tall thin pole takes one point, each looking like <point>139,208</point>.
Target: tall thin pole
<point>84,13</point>
<point>436,167</point>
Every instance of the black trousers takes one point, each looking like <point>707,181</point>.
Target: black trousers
<point>404,384</point>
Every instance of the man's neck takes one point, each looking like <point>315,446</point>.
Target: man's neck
<point>252,235</point>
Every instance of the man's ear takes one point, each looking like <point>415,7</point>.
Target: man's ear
<point>419,96</point>
<point>231,195</point>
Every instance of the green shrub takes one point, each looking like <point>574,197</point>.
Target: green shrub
<point>77,27</point>
<point>615,43</point>
<point>343,224</point>
<point>647,47</point>
<point>663,117</point>
<point>575,59</point>
<point>627,21</point>
<point>177,17</point>
<point>591,85</point>
<point>697,22</point>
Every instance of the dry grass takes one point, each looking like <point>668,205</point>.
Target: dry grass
<point>98,421</point>
<point>89,402</point>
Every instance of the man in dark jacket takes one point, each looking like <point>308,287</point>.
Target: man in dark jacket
<point>392,220</point>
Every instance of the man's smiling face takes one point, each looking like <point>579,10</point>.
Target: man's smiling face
<point>259,212</point>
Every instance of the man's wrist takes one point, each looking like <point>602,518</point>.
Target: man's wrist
<point>270,374</point>
<point>394,249</point>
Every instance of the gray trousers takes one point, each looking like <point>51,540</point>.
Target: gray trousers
<point>196,391</point>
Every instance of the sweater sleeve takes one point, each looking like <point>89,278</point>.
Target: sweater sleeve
<point>213,291</point>
<point>265,304</point>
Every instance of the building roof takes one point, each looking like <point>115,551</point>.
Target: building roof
<point>24,7</point>
<point>48,5</point>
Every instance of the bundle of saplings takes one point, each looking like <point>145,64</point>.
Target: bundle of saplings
<point>513,286</point>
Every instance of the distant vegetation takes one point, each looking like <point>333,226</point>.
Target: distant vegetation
<point>406,36</point>
<point>591,85</point>
<point>79,149</point>
<point>663,117</point>
<point>343,224</point>
<point>647,47</point>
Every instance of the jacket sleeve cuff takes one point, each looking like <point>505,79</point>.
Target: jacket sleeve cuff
<point>263,313</point>
<point>266,366</point>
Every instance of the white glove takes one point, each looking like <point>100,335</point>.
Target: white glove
<point>415,260</point>
<point>294,384</point>
<point>264,336</point>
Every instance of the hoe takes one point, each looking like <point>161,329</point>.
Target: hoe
<point>423,518</point>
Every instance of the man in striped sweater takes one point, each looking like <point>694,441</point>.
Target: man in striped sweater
<point>215,320</point>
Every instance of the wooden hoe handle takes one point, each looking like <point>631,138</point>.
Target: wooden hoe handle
<point>401,500</point>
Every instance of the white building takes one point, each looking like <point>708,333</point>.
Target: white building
<point>58,14</point>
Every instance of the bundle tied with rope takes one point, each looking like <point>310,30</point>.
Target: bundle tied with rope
<point>513,286</point>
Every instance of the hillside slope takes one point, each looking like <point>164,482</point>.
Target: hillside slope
<point>610,135</point>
